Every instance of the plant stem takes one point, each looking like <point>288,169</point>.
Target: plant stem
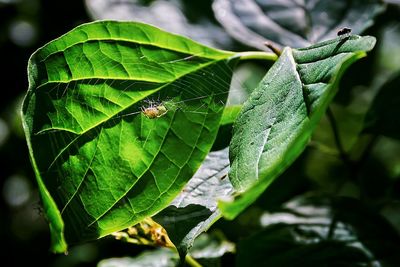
<point>273,48</point>
<point>257,55</point>
<point>339,145</point>
<point>191,261</point>
<point>367,150</point>
<point>332,227</point>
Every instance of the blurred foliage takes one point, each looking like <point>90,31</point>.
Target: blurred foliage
<point>311,230</point>
<point>364,177</point>
<point>294,24</point>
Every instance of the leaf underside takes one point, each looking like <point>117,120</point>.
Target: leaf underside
<point>101,164</point>
<point>280,115</point>
<point>194,210</point>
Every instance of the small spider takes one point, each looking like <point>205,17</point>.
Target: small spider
<point>154,110</point>
<point>344,31</point>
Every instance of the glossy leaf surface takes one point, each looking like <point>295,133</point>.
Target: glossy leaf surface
<point>104,154</point>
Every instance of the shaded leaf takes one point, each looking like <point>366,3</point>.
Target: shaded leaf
<point>168,15</point>
<point>382,117</point>
<point>291,23</point>
<point>101,163</point>
<point>315,231</point>
<point>276,122</point>
<point>161,257</point>
<point>194,210</point>
<point>207,248</point>
<point>393,2</point>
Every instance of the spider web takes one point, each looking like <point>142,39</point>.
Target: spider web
<point>242,83</point>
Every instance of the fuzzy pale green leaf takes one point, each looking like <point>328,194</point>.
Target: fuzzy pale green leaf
<point>278,119</point>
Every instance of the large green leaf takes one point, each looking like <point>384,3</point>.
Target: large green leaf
<point>100,163</point>
<point>293,23</point>
<point>278,119</point>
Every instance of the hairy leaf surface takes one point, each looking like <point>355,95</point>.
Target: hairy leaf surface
<point>278,119</point>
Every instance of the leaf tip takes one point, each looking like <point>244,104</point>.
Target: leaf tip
<point>58,243</point>
<point>370,42</point>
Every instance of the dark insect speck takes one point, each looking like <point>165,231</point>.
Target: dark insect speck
<point>343,31</point>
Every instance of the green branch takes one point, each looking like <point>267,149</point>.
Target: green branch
<point>191,261</point>
<point>258,55</point>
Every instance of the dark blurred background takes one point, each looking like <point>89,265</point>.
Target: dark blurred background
<point>26,25</point>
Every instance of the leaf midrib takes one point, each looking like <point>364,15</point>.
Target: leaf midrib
<point>79,135</point>
<point>165,191</point>
<point>223,53</point>
<point>42,131</point>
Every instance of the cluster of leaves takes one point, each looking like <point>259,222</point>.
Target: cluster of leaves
<point>102,165</point>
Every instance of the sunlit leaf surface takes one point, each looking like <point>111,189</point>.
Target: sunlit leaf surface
<point>118,117</point>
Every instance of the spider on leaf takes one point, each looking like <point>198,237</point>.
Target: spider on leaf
<point>154,110</point>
